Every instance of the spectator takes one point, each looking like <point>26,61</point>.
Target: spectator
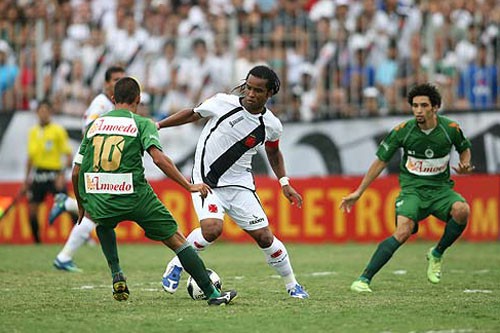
<point>8,74</point>
<point>479,82</point>
<point>161,73</point>
<point>75,94</point>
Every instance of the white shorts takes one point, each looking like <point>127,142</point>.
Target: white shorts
<point>242,205</point>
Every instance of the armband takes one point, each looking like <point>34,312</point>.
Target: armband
<point>284,181</point>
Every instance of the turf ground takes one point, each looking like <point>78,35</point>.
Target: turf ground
<point>34,297</point>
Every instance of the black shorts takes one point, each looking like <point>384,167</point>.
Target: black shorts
<point>44,182</point>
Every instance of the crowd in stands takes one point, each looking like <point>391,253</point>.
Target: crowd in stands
<point>336,58</point>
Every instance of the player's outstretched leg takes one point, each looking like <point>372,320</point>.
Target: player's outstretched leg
<point>277,257</point>
<point>380,257</point>
<point>107,238</point>
<point>173,272</point>
<point>78,236</point>
<point>196,268</point>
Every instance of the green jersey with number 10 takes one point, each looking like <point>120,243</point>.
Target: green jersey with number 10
<point>426,156</point>
<point>111,179</point>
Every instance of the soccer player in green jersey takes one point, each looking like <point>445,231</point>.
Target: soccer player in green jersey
<point>426,187</point>
<point>110,187</point>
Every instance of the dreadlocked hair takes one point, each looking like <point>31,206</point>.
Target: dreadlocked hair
<point>265,73</point>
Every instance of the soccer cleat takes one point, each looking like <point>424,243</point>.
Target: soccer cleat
<point>434,267</point>
<point>68,266</point>
<point>58,207</point>
<point>120,289</point>
<point>225,298</point>
<point>171,278</point>
<point>298,292</point>
<point>361,286</point>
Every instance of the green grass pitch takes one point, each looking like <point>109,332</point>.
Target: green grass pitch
<point>34,297</point>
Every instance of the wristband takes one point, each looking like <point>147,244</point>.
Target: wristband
<point>284,181</point>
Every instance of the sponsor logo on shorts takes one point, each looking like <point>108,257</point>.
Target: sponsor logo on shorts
<point>256,220</point>
<point>212,208</point>
<point>114,126</point>
<point>110,183</point>
<point>427,167</point>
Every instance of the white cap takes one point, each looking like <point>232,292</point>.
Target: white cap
<point>370,92</point>
<point>4,47</point>
<point>145,98</point>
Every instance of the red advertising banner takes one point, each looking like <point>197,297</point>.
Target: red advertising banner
<point>319,220</point>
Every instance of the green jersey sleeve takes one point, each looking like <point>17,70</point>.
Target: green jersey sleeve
<point>149,133</point>
<point>390,144</point>
<point>460,141</point>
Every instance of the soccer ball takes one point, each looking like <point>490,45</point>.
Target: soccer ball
<point>195,292</point>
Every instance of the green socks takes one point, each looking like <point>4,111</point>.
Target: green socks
<point>196,268</point>
<point>384,252</point>
<point>452,231</point>
<point>107,238</point>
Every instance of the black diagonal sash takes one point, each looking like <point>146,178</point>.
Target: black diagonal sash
<point>234,153</point>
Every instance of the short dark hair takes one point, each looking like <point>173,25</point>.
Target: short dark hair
<point>425,89</point>
<point>126,90</point>
<point>43,102</point>
<point>111,70</point>
<point>266,73</point>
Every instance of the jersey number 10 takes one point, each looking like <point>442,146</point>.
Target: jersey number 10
<point>107,152</point>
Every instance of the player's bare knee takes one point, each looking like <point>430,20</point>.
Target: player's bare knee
<point>402,234</point>
<point>460,212</point>
<point>211,231</point>
<point>265,240</point>
<point>264,237</point>
<point>404,229</point>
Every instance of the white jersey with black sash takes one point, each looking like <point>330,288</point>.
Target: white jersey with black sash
<point>228,141</point>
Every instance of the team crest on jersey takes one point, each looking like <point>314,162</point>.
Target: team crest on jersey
<point>212,208</point>
<point>250,141</point>
<point>429,153</point>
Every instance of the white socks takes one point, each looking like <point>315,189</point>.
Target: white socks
<point>277,258</point>
<point>197,241</point>
<point>71,205</point>
<point>78,236</point>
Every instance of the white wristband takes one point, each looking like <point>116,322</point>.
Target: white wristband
<point>284,181</point>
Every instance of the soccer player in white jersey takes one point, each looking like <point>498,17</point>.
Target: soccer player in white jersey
<point>236,127</point>
<point>81,233</point>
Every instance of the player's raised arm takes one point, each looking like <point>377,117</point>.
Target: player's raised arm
<point>182,117</point>
<point>372,173</point>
